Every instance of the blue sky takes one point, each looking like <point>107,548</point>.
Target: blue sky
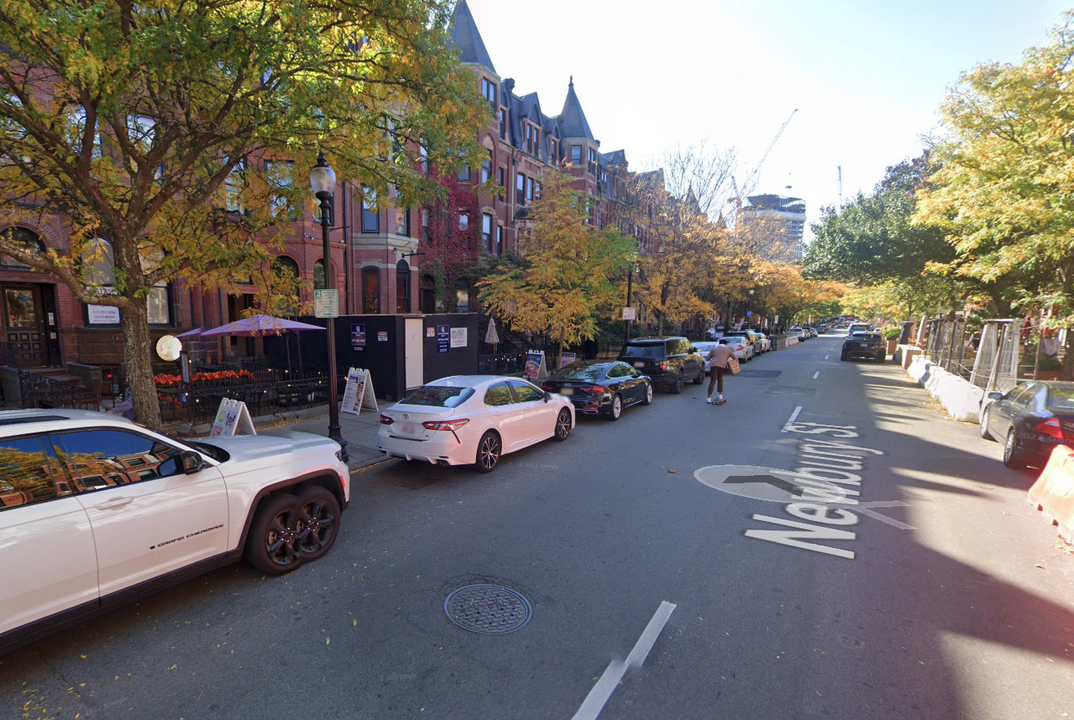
<point>866,77</point>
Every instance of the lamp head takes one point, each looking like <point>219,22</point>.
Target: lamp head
<point>322,178</point>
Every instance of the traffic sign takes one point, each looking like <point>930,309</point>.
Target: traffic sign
<point>630,313</point>
<point>326,303</point>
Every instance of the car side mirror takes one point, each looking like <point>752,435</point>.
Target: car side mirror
<point>547,396</point>
<point>995,395</point>
<point>693,349</point>
<point>192,462</point>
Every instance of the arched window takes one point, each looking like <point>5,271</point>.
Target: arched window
<point>23,238</point>
<point>370,290</point>
<point>402,287</point>
<point>285,263</point>
<point>287,268</point>
<point>318,275</point>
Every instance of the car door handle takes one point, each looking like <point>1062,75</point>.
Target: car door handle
<point>114,503</point>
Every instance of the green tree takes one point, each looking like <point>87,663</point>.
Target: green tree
<point>181,132</point>
<point>563,281</point>
<point>1004,193</point>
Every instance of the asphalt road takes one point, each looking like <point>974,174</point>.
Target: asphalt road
<point>954,602</point>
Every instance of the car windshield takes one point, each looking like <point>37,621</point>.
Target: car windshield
<point>644,350</point>
<point>438,396</point>
<point>871,337</point>
<point>1061,397</point>
<point>704,347</point>
<point>578,371</point>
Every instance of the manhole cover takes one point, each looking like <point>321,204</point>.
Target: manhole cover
<point>488,609</point>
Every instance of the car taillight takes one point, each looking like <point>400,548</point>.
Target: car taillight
<point>444,424</point>
<point>549,388</point>
<point>385,420</point>
<point>1050,427</point>
<point>596,389</point>
<point>663,364</point>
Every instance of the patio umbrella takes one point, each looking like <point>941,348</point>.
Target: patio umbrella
<point>261,325</point>
<point>191,333</point>
<point>491,337</point>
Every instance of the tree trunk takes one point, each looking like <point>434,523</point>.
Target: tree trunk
<point>1068,356</point>
<point>137,351</point>
<point>660,325</point>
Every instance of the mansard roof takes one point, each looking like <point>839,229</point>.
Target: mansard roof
<point>464,32</point>
<point>615,158</point>
<point>572,122</point>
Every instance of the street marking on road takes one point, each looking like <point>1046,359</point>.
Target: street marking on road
<point>826,357</point>
<point>596,699</point>
<point>791,419</point>
<point>816,374</point>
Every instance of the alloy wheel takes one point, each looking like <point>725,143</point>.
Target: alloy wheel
<point>317,523</point>
<point>283,535</point>
<point>563,424</point>
<point>488,452</point>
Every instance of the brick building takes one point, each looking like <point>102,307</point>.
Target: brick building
<point>376,247</point>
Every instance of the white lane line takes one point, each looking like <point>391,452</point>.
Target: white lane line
<point>792,418</point>
<point>825,357</point>
<point>596,699</point>
<point>816,374</point>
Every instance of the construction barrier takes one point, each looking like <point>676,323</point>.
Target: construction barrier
<point>958,397</point>
<point>1053,492</point>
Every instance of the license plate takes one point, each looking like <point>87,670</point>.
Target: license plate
<point>639,364</point>
<point>566,391</point>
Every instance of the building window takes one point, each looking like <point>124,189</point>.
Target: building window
<point>592,161</point>
<point>486,169</point>
<point>503,123</point>
<point>486,233</point>
<point>529,190</point>
<point>501,175</point>
<point>424,159</point>
<point>370,290</point>
<point>233,186</point>
<point>529,137</point>
<point>402,287</point>
<point>25,238</point>
<point>318,275</point>
<point>464,222</point>
<point>280,176</point>
<point>576,154</point>
<point>425,226</point>
<point>537,189</point>
<point>370,216</point>
<point>498,250</point>
<point>464,173</point>
<point>402,221</point>
<point>488,91</point>
<point>553,151</point>
<point>520,189</point>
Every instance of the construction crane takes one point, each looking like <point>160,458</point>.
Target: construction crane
<point>747,186</point>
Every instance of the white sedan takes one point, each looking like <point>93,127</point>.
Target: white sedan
<point>740,346</point>
<point>766,342</point>
<point>473,419</point>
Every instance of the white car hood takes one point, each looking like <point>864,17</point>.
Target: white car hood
<point>266,449</point>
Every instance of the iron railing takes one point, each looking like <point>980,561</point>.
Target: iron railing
<point>41,391</point>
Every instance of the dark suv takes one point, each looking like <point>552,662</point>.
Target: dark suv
<point>864,344</point>
<point>669,361</point>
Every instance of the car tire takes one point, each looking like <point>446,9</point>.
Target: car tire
<point>648,394</point>
<point>563,425</point>
<point>1012,456</point>
<point>676,387</point>
<point>843,357</point>
<point>614,413</point>
<point>700,375</point>
<point>489,449</point>
<point>984,425</point>
<point>271,545</point>
<point>319,514</point>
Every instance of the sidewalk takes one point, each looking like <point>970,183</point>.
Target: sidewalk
<point>360,431</point>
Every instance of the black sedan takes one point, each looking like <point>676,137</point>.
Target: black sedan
<point>602,388</point>
<point>1030,420</point>
<point>864,344</point>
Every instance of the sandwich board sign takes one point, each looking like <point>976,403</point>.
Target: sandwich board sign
<point>359,392</point>
<point>232,416</point>
<point>535,367</point>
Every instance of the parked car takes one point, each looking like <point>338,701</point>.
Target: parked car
<point>602,388</point>
<point>740,346</point>
<point>864,344</point>
<point>96,511</point>
<point>766,342</point>
<point>798,333</point>
<point>473,420</point>
<point>668,361</point>
<point>858,327</point>
<point>1030,419</point>
<point>752,338</point>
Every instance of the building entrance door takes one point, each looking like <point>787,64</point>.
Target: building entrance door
<point>24,323</point>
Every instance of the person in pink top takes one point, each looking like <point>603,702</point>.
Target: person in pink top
<point>718,358</point>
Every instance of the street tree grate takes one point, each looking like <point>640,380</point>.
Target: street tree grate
<point>488,609</point>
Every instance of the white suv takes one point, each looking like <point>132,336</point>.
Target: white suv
<point>96,511</point>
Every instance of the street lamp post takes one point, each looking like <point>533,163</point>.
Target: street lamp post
<point>323,183</point>
<point>629,292</point>
<point>749,313</point>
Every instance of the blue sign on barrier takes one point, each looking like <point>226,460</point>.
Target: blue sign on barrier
<point>443,338</point>
<point>358,337</point>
